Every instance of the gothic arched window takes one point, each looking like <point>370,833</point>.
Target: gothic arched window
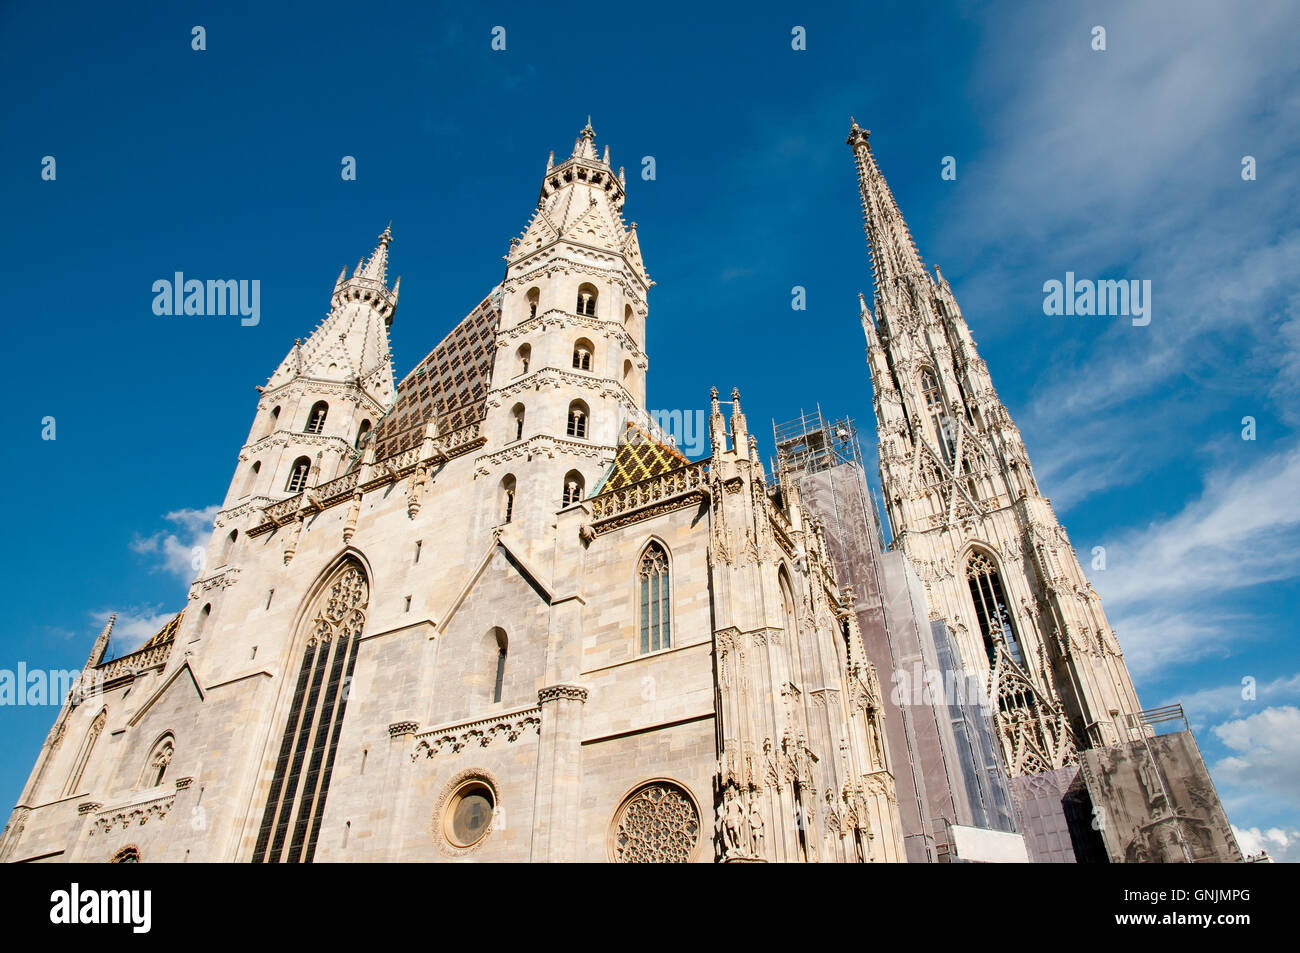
<point>507,498</point>
<point>991,609</point>
<point>160,758</point>
<point>127,855</point>
<point>500,645</point>
<point>523,356</point>
<point>316,419</point>
<point>577,426</point>
<point>587,300</point>
<point>271,421</point>
<point>582,354</point>
<point>934,407</point>
<point>363,433</point>
<point>251,478</point>
<point>298,475</point>
<point>295,804</point>
<point>518,414</point>
<point>573,487</point>
<point>534,296</point>
<point>652,578</point>
<point>83,753</point>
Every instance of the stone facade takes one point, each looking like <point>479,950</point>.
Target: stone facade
<point>486,614</point>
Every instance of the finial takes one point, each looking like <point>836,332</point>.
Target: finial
<point>735,393</point>
<point>713,394</point>
<point>606,159</point>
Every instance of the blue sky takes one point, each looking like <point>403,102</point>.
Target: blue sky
<point>1124,163</point>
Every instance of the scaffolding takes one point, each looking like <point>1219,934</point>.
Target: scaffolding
<point>808,444</point>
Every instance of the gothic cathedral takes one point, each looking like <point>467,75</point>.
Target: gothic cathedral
<point>492,612</point>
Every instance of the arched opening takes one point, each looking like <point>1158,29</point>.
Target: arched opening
<point>587,299</point>
<point>627,316</point>
<point>574,486</point>
<point>627,374</point>
<point>991,607</point>
<point>508,485</point>
<point>250,479</point>
<point>517,415</point>
<point>577,424</point>
<point>583,354</point>
<point>272,422</point>
<point>228,547</point>
<point>654,599</point>
<point>160,759</point>
<point>363,434</point>
<point>934,408</point>
<point>127,855</point>
<point>298,475</point>
<point>316,419</point>
<point>202,626</point>
<point>534,297</point>
<point>522,358</point>
<point>295,803</point>
<point>497,647</point>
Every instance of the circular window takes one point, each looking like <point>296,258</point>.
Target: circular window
<point>465,812</point>
<point>658,823</point>
<point>469,814</point>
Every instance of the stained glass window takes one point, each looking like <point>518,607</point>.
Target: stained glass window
<point>656,631</point>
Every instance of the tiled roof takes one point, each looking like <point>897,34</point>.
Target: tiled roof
<point>456,374</point>
<point>165,634</point>
<point>639,458</point>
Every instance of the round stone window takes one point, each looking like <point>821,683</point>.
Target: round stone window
<point>469,814</point>
<point>658,823</point>
<point>465,812</point>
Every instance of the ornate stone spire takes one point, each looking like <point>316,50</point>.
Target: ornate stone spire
<point>351,343</point>
<point>893,253</point>
<point>376,268</point>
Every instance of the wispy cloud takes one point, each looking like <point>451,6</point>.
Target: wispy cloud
<point>1126,163</point>
<point>1237,697</point>
<point>179,551</point>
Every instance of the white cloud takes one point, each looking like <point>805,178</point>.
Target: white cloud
<point>1266,754</point>
<point>1283,845</point>
<point>179,551</point>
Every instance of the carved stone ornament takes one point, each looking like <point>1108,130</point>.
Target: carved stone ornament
<point>658,823</point>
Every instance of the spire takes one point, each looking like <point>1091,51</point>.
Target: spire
<point>351,343</point>
<point>717,425</point>
<point>377,267</point>
<point>584,147</point>
<point>739,429</point>
<point>893,253</point>
<point>101,644</point>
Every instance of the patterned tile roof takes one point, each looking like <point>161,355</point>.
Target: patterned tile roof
<point>165,634</point>
<point>640,457</point>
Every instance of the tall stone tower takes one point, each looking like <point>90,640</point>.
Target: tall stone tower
<point>571,365</point>
<point>967,512</point>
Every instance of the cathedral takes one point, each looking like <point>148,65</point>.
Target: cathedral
<point>492,612</point>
